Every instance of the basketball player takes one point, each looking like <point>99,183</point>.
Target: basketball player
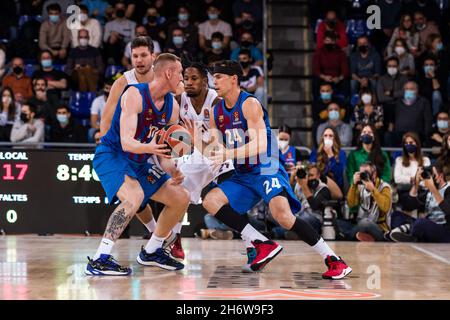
<point>195,109</point>
<point>243,127</point>
<point>142,57</point>
<point>121,163</point>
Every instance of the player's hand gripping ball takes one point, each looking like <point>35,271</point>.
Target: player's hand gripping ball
<point>177,138</point>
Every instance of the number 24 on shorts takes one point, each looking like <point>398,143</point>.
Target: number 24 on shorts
<point>275,185</point>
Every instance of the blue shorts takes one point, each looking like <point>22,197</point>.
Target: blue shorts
<point>244,191</point>
<point>112,167</point>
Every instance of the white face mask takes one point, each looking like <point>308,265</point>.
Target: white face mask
<point>6,101</point>
<point>400,50</point>
<point>282,144</point>
<point>366,98</point>
<point>392,71</point>
<point>328,142</point>
<point>84,42</point>
<point>83,17</point>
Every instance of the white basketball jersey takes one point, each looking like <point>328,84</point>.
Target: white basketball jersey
<point>187,111</point>
<point>130,76</point>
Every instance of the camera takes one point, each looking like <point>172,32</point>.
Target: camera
<point>364,176</point>
<point>427,173</point>
<point>301,173</point>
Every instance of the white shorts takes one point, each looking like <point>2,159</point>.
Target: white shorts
<point>198,172</point>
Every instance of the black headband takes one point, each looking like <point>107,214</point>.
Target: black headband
<point>227,70</point>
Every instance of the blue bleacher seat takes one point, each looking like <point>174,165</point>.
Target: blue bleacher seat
<point>112,70</point>
<point>24,19</point>
<point>59,67</point>
<point>80,104</point>
<point>29,69</point>
<point>355,29</point>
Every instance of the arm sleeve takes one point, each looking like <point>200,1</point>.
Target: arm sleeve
<point>107,32</point>
<point>351,167</point>
<point>3,118</point>
<point>43,37</point>
<point>387,174</point>
<point>38,135</point>
<point>19,132</point>
<point>317,202</point>
<point>347,135</point>
<point>96,37</point>
<point>344,65</point>
<point>353,196</point>
<point>383,199</point>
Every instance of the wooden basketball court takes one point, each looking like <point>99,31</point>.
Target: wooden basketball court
<point>33,267</point>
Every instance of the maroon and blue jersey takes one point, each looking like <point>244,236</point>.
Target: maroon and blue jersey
<point>149,117</point>
<point>234,128</point>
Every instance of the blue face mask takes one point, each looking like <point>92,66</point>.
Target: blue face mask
<point>46,63</point>
<point>325,96</point>
<point>177,40</point>
<point>62,118</point>
<point>410,148</point>
<point>213,16</point>
<point>216,45</point>
<point>183,16</point>
<point>410,96</point>
<point>333,115</point>
<point>427,69</point>
<point>440,46</point>
<point>366,139</point>
<point>442,124</point>
<point>54,18</point>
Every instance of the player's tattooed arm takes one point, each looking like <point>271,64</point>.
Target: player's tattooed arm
<point>117,223</point>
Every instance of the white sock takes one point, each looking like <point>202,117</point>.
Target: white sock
<point>177,228</point>
<point>252,234</point>
<point>151,226</point>
<point>248,242</point>
<point>322,248</point>
<point>105,247</point>
<point>154,243</point>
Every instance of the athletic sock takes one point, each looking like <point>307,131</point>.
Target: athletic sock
<point>248,242</point>
<point>322,248</point>
<point>105,247</point>
<point>251,234</point>
<point>177,228</point>
<point>154,243</point>
<point>151,226</point>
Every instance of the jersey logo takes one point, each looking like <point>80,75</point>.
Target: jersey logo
<point>206,113</point>
<point>186,106</point>
<point>163,116</point>
<point>236,116</point>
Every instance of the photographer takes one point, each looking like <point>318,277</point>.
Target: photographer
<point>373,198</point>
<point>435,202</point>
<point>313,193</point>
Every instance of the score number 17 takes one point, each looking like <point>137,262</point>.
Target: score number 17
<point>9,168</point>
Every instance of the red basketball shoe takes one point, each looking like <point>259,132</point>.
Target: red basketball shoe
<point>177,249</point>
<point>337,269</point>
<point>265,251</point>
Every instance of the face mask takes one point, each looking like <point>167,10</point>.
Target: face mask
<point>325,96</point>
<point>332,24</point>
<point>410,148</point>
<point>333,115</point>
<point>392,71</point>
<point>329,46</point>
<point>400,50</point>
<point>213,16</point>
<point>246,44</point>
<point>247,24</point>
<point>17,70</point>
<point>24,117</point>
<point>420,27</point>
<point>62,118</point>
<point>442,124</point>
<point>177,40</point>
<point>410,96</point>
<point>363,49</point>
<point>313,184</point>
<point>366,98</point>
<point>120,13</point>
<point>282,144</point>
<point>6,101</point>
<point>183,16</point>
<point>440,46</point>
<point>151,19</point>
<point>216,45</point>
<point>83,17</point>
<point>106,94</point>
<point>46,63</point>
<point>366,139</point>
<point>328,142</point>
<point>54,18</point>
<point>427,69</point>
<point>244,64</point>
<point>84,42</point>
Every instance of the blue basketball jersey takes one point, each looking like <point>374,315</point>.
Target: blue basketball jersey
<point>289,157</point>
<point>149,117</point>
<point>234,128</point>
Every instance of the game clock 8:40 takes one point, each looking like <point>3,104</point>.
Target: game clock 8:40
<point>66,173</point>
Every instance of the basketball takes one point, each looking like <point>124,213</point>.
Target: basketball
<point>177,138</point>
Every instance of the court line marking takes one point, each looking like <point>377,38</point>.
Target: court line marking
<point>431,254</point>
